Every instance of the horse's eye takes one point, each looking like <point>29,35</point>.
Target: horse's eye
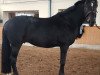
<point>92,4</point>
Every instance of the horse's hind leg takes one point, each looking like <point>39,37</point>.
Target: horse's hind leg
<point>6,52</point>
<point>14,54</point>
<point>63,53</point>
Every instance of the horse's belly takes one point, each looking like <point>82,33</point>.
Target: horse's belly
<point>45,44</point>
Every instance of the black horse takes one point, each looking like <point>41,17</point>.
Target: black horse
<point>59,30</point>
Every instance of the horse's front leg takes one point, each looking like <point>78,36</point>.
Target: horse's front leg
<point>63,53</point>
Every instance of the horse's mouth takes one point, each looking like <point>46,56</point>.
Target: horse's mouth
<point>91,21</point>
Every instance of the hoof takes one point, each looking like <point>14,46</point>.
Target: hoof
<point>7,74</point>
<point>61,74</point>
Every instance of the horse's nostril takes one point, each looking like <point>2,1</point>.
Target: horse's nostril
<point>91,23</point>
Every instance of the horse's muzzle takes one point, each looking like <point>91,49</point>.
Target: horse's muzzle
<point>91,23</point>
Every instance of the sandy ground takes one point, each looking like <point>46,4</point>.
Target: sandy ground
<point>43,61</point>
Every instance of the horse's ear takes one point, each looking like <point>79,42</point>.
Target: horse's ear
<point>83,0</point>
<point>77,3</point>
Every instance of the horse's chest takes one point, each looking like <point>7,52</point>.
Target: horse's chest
<point>67,38</point>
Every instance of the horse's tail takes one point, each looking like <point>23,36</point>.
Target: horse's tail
<point>6,52</point>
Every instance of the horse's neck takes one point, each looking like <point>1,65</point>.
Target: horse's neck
<point>77,17</point>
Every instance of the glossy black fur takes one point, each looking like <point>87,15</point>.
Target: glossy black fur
<point>59,30</point>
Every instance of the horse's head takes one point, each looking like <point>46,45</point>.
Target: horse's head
<point>90,10</point>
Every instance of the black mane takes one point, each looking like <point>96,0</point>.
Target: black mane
<point>79,2</point>
<point>71,9</point>
<point>66,11</point>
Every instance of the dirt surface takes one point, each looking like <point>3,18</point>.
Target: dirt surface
<point>43,61</point>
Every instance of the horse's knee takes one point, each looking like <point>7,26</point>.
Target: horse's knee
<point>62,62</point>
